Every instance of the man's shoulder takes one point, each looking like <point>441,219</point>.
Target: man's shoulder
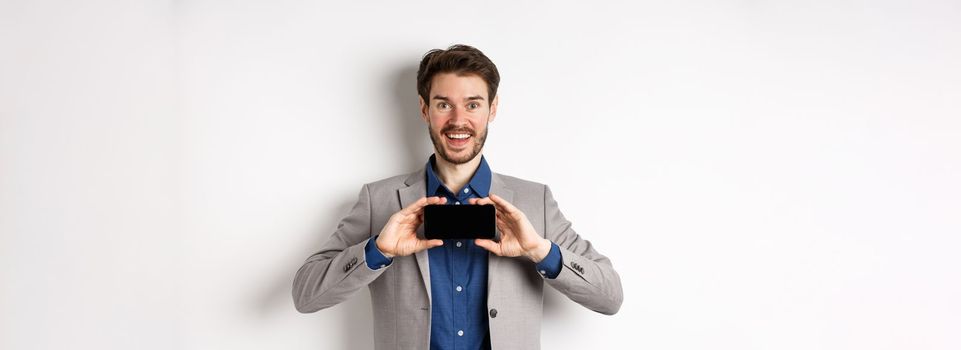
<point>392,182</point>
<point>518,184</point>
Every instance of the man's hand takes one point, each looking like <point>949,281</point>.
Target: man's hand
<point>399,235</point>
<point>517,234</point>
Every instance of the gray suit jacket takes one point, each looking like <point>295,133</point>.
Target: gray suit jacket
<point>400,292</point>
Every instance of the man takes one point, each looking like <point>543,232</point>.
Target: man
<point>456,294</point>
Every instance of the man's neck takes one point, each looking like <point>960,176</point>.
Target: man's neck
<point>455,176</point>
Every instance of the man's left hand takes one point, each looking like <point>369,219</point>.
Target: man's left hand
<point>518,236</point>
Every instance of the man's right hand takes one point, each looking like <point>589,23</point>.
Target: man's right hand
<point>399,235</point>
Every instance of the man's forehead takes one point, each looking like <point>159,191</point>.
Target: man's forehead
<point>450,86</point>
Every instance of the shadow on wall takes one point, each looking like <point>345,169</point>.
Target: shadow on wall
<point>353,319</point>
<point>409,124</point>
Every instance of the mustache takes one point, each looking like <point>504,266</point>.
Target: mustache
<point>456,130</point>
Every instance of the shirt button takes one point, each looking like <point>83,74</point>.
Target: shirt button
<point>458,244</point>
<point>460,333</point>
<point>543,272</point>
<point>459,288</point>
<point>383,266</point>
<point>466,190</point>
<point>456,202</point>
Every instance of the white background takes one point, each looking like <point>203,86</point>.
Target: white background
<point>764,175</point>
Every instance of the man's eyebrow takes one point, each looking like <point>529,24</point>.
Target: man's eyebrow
<point>469,98</point>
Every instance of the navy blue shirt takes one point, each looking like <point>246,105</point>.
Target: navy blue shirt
<point>458,272</point>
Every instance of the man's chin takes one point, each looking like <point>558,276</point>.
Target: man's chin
<point>459,157</point>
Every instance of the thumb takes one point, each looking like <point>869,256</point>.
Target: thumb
<point>427,244</point>
<point>489,245</point>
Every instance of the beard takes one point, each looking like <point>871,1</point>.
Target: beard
<point>440,146</point>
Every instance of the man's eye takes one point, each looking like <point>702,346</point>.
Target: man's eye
<point>443,105</point>
<point>472,105</point>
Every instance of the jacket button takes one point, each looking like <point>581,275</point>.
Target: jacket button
<point>493,313</point>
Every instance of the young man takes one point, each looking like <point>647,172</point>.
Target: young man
<point>456,294</point>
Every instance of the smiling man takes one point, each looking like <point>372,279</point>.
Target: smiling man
<point>456,294</point>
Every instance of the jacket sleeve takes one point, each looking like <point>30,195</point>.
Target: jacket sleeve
<point>339,269</point>
<point>586,276</point>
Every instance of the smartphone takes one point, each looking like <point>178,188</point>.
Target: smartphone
<point>443,221</point>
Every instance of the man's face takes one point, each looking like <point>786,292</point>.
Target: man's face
<point>457,116</point>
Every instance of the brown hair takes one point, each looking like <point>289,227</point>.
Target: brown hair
<point>460,60</point>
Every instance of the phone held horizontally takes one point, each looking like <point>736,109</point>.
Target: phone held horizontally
<point>459,221</point>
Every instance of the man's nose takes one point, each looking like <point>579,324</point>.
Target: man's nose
<point>456,114</point>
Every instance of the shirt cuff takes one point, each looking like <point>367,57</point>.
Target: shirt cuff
<point>375,259</point>
<point>550,267</point>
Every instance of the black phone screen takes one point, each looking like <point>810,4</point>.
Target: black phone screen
<point>459,221</point>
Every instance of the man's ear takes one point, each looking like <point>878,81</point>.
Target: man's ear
<point>423,110</point>
<point>493,108</point>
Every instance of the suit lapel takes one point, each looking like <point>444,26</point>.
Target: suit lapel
<point>500,189</point>
<point>416,188</point>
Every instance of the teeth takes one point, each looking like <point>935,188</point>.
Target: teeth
<point>458,136</point>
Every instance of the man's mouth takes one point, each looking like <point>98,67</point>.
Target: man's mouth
<point>457,139</point>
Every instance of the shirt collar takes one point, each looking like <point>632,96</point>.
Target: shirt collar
<point>480,183</point>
